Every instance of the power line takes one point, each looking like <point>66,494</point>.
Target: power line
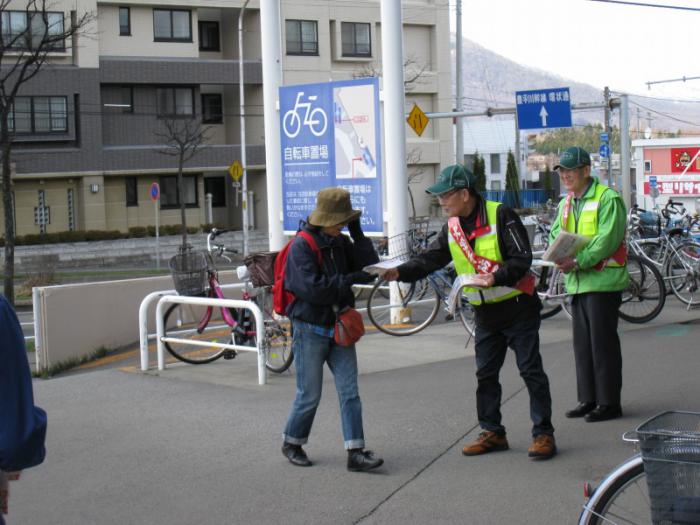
<point>644,4</point>
<point>665,115</point>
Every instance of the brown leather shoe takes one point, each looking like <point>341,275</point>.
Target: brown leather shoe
<point>543,447</point>
<point>487,441</point>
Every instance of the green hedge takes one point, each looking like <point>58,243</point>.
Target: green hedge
<point>100,235</point>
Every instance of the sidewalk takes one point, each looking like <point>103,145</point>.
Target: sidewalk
<point>201,444</point>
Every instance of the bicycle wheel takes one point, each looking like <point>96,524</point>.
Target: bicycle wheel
<point>467,317</point>
<point>653,250</point>
<point>622,498</point>
<point>683,273</point>
<point>645,295</point>
<point>183,321</point>
<point>416,307</point>
<point>550,307</point>
<point>278,336</point>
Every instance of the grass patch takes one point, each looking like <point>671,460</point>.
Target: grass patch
<point>71,363</point>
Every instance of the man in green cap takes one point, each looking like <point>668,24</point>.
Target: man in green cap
<point>487,239</point>
<point>596,277</point>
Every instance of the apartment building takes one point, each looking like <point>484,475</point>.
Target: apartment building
<point>109,92</point>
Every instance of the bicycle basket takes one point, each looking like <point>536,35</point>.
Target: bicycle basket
<point>670,446</point>
<point>189,272</point>
<point>261,266</point>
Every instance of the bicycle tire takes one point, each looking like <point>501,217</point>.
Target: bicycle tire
<point>467,316</point>
<point>549,308</point>
<point>418,300</point>
<point>683,273</point>
<point>646,286</point>
<point>278,337</point>
<point>182,320</point>
<point>624,497</point>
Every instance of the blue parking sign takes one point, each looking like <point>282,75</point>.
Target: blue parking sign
<point>543,108</point>
<point>330,136</point>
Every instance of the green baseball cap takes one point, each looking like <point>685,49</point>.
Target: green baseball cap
<point>572,158</point>
<point>455,177</point>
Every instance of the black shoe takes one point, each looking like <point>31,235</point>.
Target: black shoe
<point>603,413</point>
<point>581,410</point>
<point>363,460</point>
<point>296,455</point>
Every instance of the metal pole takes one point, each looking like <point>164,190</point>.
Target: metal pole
<point>459,136</point>
<point>625,183</point>
<point>241,101</point>
<point>155,207</point>
<point>394,123</point>
<point>272,77</point>
<point>606,117</point>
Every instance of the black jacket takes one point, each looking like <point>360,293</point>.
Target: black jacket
<point>515,249</point>
<point>318,289</point>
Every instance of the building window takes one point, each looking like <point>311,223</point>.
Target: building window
<point>356,39</point>
<point>168,191</point>
<point>171,25</point>
<point>209,36</point>
<point>132,196</point>
<point>469,161</point>
<point>38,115</point>
<point>495,163</point>
<point>118,99</point>
<point>175,102</point>
<point>217,187</point>
<point>647,166</point>
<point>21,30</point>
<point>71,210</point>
<point>496,185</point>
<point>212,109</point>
<point>302,37</point>
<point>124,21</point>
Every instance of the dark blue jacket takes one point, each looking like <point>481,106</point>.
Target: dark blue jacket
<point>22,425</point>
<point>318,289</point>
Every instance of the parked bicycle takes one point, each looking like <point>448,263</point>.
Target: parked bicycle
<point>673,252</point>
<point>194,273</point>
<point>642,300</point>
<point>659,485</point>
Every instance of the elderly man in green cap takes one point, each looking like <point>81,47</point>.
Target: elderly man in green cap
<point>488,240</point>
<point>596,277</point>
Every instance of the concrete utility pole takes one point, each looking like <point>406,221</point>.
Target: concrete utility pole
<point>459,135</point>
<point>272,77</point>
<point>241,101</point>
<point>625,182</point>
<point>394,115</point>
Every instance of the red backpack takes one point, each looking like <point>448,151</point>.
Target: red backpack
<point>281,298</point>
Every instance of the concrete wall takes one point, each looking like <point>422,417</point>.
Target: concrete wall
<point>75,320</point>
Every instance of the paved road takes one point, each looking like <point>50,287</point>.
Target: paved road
<point>201,444</point>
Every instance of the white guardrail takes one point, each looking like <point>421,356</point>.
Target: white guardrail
<point>166,297</point>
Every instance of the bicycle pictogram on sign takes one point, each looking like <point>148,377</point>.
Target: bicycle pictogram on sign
<point>315,119</point>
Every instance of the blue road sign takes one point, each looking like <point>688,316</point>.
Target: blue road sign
<point>543,108</point>
<point>652,181</point>
<point>604,137</point>
<point>330,136</point>
<point>604,151</point>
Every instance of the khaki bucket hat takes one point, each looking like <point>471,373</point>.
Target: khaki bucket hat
<point>333,207</point>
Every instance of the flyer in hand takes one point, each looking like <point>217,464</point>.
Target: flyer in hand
<point>381,267</point>
<point>466,279</point>
<point>565,245</point>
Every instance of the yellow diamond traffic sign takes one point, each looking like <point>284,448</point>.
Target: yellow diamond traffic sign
<point>417,120</point>
<point>236,170</point>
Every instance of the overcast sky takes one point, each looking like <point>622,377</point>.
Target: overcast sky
<point>622,46</point>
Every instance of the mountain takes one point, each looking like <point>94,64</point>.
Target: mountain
<point>491,80</point>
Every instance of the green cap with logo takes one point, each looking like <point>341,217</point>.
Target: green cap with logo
<point>573,158</point>
<point>455,177</point>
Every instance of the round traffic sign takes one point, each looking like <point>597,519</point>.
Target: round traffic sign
<point>155,192</point>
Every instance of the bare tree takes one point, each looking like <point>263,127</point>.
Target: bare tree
<point>412,67</point>
<point>183,138</point>
<point>28,37</point>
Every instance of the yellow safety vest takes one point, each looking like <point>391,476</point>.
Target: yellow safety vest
<point>485,245</point>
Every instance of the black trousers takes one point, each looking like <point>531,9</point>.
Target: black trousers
<point>491,345</point>
<point>597,347</point>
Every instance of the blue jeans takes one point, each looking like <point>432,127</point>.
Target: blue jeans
<point>491,347</point>
<point>311,351</point>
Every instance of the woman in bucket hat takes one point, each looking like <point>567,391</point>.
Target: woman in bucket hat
<point>320,291</point>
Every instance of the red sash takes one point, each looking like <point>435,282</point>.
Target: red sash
<point>482,265</point>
